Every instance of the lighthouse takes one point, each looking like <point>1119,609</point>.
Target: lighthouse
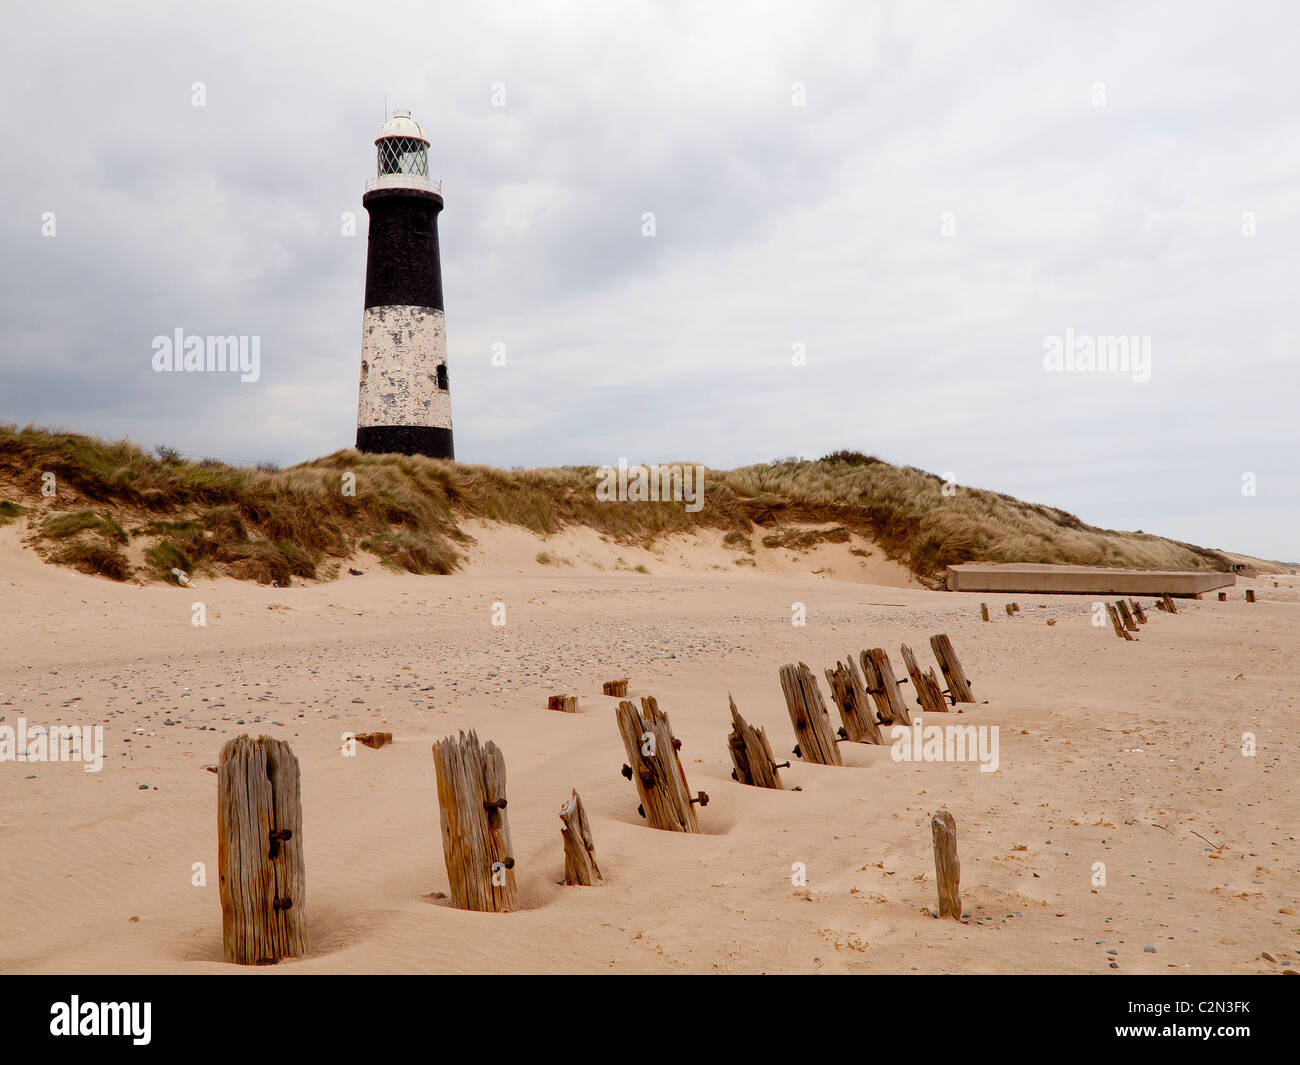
<point>405,396</point>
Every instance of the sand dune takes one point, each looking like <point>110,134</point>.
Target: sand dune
<point>1110,752</point>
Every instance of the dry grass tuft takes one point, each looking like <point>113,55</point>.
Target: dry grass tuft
<point>63,526</point>
<point>738,541</point>
<point>415,552</point>
<point>806,539</point>
<point>93,556</point>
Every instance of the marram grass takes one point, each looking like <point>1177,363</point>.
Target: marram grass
<point>273,525</point>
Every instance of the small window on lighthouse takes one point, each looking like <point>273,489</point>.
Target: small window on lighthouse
<point>442,376</point>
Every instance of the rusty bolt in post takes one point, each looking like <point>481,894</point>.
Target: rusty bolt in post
<point>702,798</point>
<point>627,771</point>
<point>276,836</point>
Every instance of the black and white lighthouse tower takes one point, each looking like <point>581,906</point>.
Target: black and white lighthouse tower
<point>405,400</point>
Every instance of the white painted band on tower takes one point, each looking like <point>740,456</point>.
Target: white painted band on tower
<point>404,368</point>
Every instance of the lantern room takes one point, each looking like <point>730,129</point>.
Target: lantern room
<point>403,155</point>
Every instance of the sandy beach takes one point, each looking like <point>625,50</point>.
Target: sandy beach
<point>1127,754</point>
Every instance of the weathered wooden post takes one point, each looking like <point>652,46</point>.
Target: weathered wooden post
<point>1223,597</point>
<point>751,754</point>
<point>947,869</point>
<point>883,687</point>
<point>475,832</point>
<point>984,611</point>
<point>1116,621</point>
<point>1138,612</point>
<point>1015,607</point>
<point>1010,613</point>
<point>579,851</point>
<point>1169,604</point>
<point>1250,595</point>
<point>1130,622</point>
<point>928,692</point>
<point>850,696</point>
<point>615,687</point>
<point>666,801</point>
<point>259,852</point>
<point>566,704</point>
<point>812,724</point>
<point>958,686</point>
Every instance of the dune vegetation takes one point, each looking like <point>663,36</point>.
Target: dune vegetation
<point>124,513</point>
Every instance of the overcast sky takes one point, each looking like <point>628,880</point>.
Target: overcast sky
<point>919,195</point>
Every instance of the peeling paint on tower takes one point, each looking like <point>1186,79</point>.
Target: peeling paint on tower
<point>403,376</point>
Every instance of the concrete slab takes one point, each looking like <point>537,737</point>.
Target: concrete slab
<point>1082,580</point>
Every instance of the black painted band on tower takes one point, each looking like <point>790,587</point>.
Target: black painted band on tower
<point>402,261</point>
<point>406,440</point>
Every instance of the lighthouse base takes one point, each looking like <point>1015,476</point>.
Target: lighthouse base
<point>427,440</point>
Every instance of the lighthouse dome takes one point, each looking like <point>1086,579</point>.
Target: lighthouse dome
<point>401,125</point>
